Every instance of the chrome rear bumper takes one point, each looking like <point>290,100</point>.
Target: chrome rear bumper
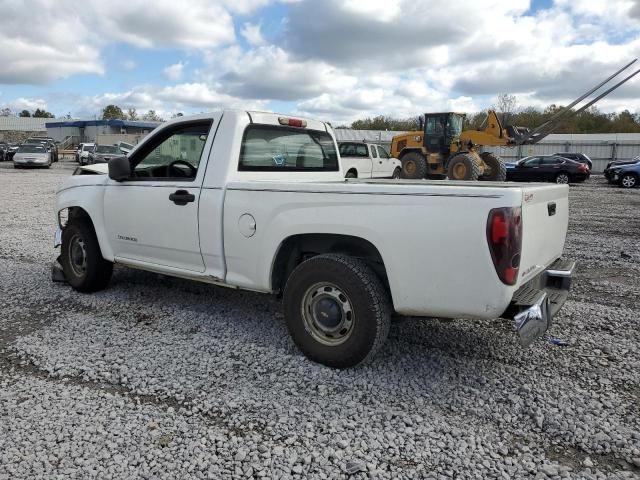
<point>536,302</point>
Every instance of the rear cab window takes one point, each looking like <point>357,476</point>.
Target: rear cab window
<point>271,148</point>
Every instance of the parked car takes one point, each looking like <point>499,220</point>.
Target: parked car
<point>257,201</point>
<point>368,160</point>
<point>103,153</point>
<point>125,147</point>
<point>547,168</point>
<point>616,163</point>
<point>50,142</point>
<point>625,174</point>
<point>4,147</point>
<point>32,155</point>
<point>11,151</point>
<point>83,152</point>
<point>577,157</point>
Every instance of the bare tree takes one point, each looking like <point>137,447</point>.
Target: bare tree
<point>507,105</point>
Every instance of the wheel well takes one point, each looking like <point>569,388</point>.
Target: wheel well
<point>298,248</point>
<point>68,214</point>
<point>352,170</point>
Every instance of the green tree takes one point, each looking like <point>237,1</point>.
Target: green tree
<point>132,114</point>
<point>24,113</point>
<point>113,112</point>
<point>42,113</point>
<point>152,116</point>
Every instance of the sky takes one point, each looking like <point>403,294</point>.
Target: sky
<point>337,60</point>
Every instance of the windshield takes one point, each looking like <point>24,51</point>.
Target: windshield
<point>87,147</point>
<point>107,149</point>
<point>455,125</point>
<point>30,149</point>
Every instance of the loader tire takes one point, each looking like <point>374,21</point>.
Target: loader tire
<point>414,166</point>
<point>497,169</point>
<point>463,167</point>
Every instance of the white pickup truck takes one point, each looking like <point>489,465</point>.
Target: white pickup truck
<point>367,160</point>
<point>258,201</point>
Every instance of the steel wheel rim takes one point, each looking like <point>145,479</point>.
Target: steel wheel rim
<point>628,181</point>
<point>562,178</point>
<point>327,314</point>
<point>410,167</point>
<point>460,170</point>
<point>78,255</point>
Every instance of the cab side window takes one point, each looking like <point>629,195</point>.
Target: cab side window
<point>374,152</point>
<point>173,155</point>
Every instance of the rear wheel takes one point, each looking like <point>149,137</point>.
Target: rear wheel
<point>84,267</point>
<point>628,180</point>
<point>414,165</point>
<point>562,178</point>
<point>463,167</point>
<point>351,174</point>
<point>337,311</point>
<point>497,171</point>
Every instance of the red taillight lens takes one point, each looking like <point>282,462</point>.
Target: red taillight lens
<point>583,167</point>
<point>504,235</point>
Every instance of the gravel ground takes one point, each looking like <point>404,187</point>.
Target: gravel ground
<point>162,378</point>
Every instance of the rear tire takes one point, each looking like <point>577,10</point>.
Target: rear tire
<point>463,167</point>
<point>84,267</point>
<point>628,180</point>
<point>351,174</point>
<point>498,170</point>
<point>414,166</point>
<point>337,311</point>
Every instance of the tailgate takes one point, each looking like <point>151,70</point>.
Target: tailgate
<point>545,216</point>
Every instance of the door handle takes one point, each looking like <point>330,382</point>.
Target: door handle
<point>182,197</point>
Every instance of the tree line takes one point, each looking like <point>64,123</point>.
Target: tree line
<point>591,120</point>
<point>37,113</point>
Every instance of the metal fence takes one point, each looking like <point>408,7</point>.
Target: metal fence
<point>600,152</point>
<point>601,148</point>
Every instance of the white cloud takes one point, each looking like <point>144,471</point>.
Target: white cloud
<point>252,34</point>
<point>174,72</point>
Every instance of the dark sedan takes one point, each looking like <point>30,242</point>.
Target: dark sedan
<point>577,157</point>
<point>547,168</point>
<point>625,174</point>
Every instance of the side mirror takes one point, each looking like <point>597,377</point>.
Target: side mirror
<point>119,169</point>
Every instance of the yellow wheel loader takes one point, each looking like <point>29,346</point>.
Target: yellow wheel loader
<point>442,149</point>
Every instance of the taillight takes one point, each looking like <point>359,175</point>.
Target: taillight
<point>583,167</point>
<point>504,235</point>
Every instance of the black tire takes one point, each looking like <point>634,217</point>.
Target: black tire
<point>414,166</point>
<point>628,180</point>
<point>97,271</point>
<point>498,170</point>
<point>562,178</point>
<point>463,167</point>
<point>397,174</point>
<point>369,310</point>
<point>351,174</point>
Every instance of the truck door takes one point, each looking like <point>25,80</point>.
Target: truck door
<point>382,165</point>
<point>153,217</point>
<point>434,138</point>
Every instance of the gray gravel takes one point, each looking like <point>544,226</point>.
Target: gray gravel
<point>162,378</point>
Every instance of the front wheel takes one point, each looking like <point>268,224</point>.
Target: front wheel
<point>463,167</point>
<point>628,180</point>
<point>337,310</point>
<point>562,178</point>
<point>396,173</point>
<point>82,262</point>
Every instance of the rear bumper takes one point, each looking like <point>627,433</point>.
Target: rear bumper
<point>536,302</point>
